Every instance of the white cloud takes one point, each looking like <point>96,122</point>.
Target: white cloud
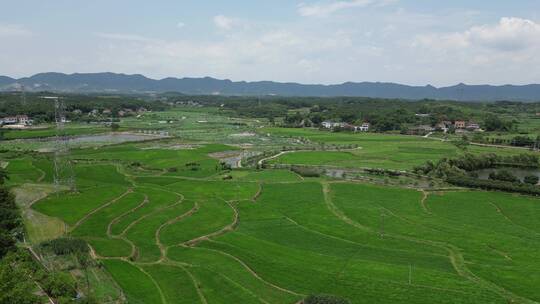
<point>325,9</point>
<point>510,34</point>
<point>13,30</point>
<point>180,24</point>
<point>277,53</point>
<point>124,37</point>
<point>224,22</point>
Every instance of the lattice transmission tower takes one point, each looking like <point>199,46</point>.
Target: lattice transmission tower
<point>23,95</point>
<point>64,174</point>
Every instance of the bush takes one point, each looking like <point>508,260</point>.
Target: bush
<point>65,246</point>
<point>503,175</point>
<point>115,127</point>
<point>59,284</point>
<point>325,299</point>
<point>531,179</point>
<point>306,172</point>
<point>465,181</point>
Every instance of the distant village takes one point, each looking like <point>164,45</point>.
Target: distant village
<point>95,115</point>
<point>16,122</point>
<point>457,126</point>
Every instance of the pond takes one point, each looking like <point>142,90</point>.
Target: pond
<point>517,172</point>
<point>48,144</point>
<point>111,138</point>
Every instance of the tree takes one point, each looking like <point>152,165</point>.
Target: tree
<point>325,299</point>
<point>14,281</point>
<point>115,127</point>
<point>7,243</point>
<point>495,123</point>
<point>503,175</point>
<point>531,179</point>
<point>58,284</point>
<point>3,175</point>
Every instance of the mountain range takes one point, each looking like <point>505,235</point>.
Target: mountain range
<point>122,83</point>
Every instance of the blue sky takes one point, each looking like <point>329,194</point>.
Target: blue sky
<point>311,41</point>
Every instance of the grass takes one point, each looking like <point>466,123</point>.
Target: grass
<point>226,268</point>
<point>175,282</point>
<point>211,216</point>
<point>137,285</point>
<point>71,207</point>
<point>143,234</point>
<point>39,227</point>
<point>155,200</point>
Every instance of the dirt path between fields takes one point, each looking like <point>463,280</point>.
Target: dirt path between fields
<point>500,211</point>
<point>425,195</point>
<point>251,271</point>
<point>259,192</point>
<point>116,219</point>
<point>163,248</point>
<point>223,230</point>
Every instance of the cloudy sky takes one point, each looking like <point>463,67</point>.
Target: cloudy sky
<point>311,41</point>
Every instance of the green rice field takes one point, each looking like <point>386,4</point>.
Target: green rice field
<point>170,225</point>
<point>385,151</point>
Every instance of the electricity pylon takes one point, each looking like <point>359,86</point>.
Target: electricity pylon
<point>64,174</point>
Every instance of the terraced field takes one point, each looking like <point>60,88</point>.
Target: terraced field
<point>275,237</point>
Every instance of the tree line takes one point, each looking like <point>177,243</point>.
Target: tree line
<point>21,276</point>
<point>461,172</point>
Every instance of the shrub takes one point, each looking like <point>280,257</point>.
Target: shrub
<point>306,172</point>
<point>531,179</point>
<point>65,246</point>
<point>503,175</point>
<point>59,284</point>
<point>465,181</point>
<point>325,299</point>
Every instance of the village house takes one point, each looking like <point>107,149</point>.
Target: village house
<point>332,124</point>
<point>77,112</point>
<point>472,126</point>
<point>16,121</point>
<point>9,120</point>
<point>423,128</point>
<point>441,127</point>
<point>459,124</point>
<point>363,128</point>
<point>23,120</point>
<point>106,112</point>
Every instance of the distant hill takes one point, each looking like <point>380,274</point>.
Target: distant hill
<point>122,83</point>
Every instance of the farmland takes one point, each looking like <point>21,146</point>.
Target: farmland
<point>171,224</point>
